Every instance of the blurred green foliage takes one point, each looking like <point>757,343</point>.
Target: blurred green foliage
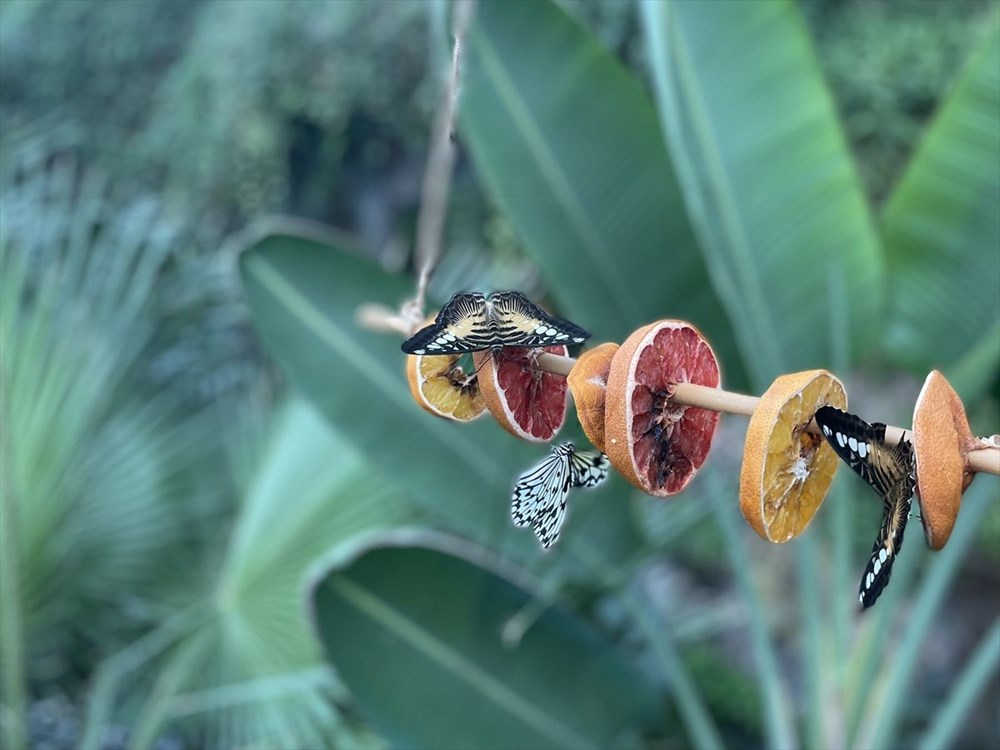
<point>888,65</point>
<point>202,549</point>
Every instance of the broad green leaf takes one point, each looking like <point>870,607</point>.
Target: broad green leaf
<point>416,636</point>
<point>767,178</point>
<point>568,144</point>
<point>303,296</point>
<point>942,226</point>
<point>250,671</point>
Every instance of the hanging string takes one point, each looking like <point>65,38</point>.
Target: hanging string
<point>437,175</point>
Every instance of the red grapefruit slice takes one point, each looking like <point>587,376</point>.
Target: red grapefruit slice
<point>655,444</point>
<point>528,403</point>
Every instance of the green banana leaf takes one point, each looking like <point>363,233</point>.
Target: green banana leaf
<point>568,144</point>
<point>942,227</point>
<point>768,179</point>
<point>446,677</point>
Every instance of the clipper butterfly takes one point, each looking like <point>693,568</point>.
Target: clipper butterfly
<point>470,322</point>
<point>890,471</point>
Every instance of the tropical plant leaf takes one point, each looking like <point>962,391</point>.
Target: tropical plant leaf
<point>88,466</point>
<point>445,678</point>
<point>767,177</point>
<point>568,144</point>
<point>249,671</point>
<point>942,226</point>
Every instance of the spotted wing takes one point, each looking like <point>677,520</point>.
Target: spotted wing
<point>587,469</point>
<point>887,545</point>
<point>862,446</point>
<point>540,497</point>
<point>519,322</point>
<point>463,325</point>
<point>889,471</point>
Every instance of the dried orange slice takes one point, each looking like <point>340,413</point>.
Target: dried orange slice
<point>654,443</point>
<point>588,382</point>
<point>941,442</point>
<point>439,384</point>
<point>527,402</point>
<point>786,470</point>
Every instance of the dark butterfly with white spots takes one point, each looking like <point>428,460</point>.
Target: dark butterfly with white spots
<point>470,322</point>
<point>540,493</point>
<point>890,471</point>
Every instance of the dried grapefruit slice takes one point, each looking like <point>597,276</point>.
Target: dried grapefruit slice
<point>527,402</point>
<point>588,382</point>
<point>786,470</point>
<point>658,445</point>
<point>439,384</point>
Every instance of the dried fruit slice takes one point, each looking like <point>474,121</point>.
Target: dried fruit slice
<point>786,470</point>
<point>528,403</point>
<point>658,445</point>
<point>941,441</point>
<point>439,384</point>
<point>588,381</point>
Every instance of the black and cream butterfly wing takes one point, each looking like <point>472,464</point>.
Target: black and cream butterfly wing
<point>889,471</point>
<point>587,469</point>
<point>520,322</point>
<point>463,325</point>
<point>862,447</point>
<point>540,497</point>
<point>887,545</point>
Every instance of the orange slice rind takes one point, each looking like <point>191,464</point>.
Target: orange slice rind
<point>941,442</point>
<point>588,382</point>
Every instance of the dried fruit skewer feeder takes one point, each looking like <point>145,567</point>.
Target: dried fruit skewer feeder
<point>948,455</point>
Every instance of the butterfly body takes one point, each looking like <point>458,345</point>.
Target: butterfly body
<point>472,322</point>
<point>889,470</point>
<point>539,498</point>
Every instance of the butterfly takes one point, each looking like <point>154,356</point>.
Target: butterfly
<point>890,472</point>
<point>470,322</point>
<point>540,493</point>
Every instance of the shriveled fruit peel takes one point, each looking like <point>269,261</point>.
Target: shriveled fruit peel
<point>588,382</point>
<point>654,443</point>
<point>440,385</point>
<point>941,442</point>
<point>525,401</point>
<point>786,470</point>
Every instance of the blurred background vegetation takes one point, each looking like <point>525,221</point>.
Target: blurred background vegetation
<point>225,524</point>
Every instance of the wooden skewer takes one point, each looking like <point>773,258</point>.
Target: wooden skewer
<point>377,317</point>
<point>688,394</point>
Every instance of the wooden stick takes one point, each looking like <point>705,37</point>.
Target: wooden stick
<point>688,394</point>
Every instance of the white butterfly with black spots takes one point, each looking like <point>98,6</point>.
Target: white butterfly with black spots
<point>890,471</point>
<point>540,493</point>
<point>470,322</point>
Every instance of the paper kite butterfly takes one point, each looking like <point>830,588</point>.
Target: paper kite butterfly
<point>890,472</point>
<point>540,493</point>
<point>470,322</point>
